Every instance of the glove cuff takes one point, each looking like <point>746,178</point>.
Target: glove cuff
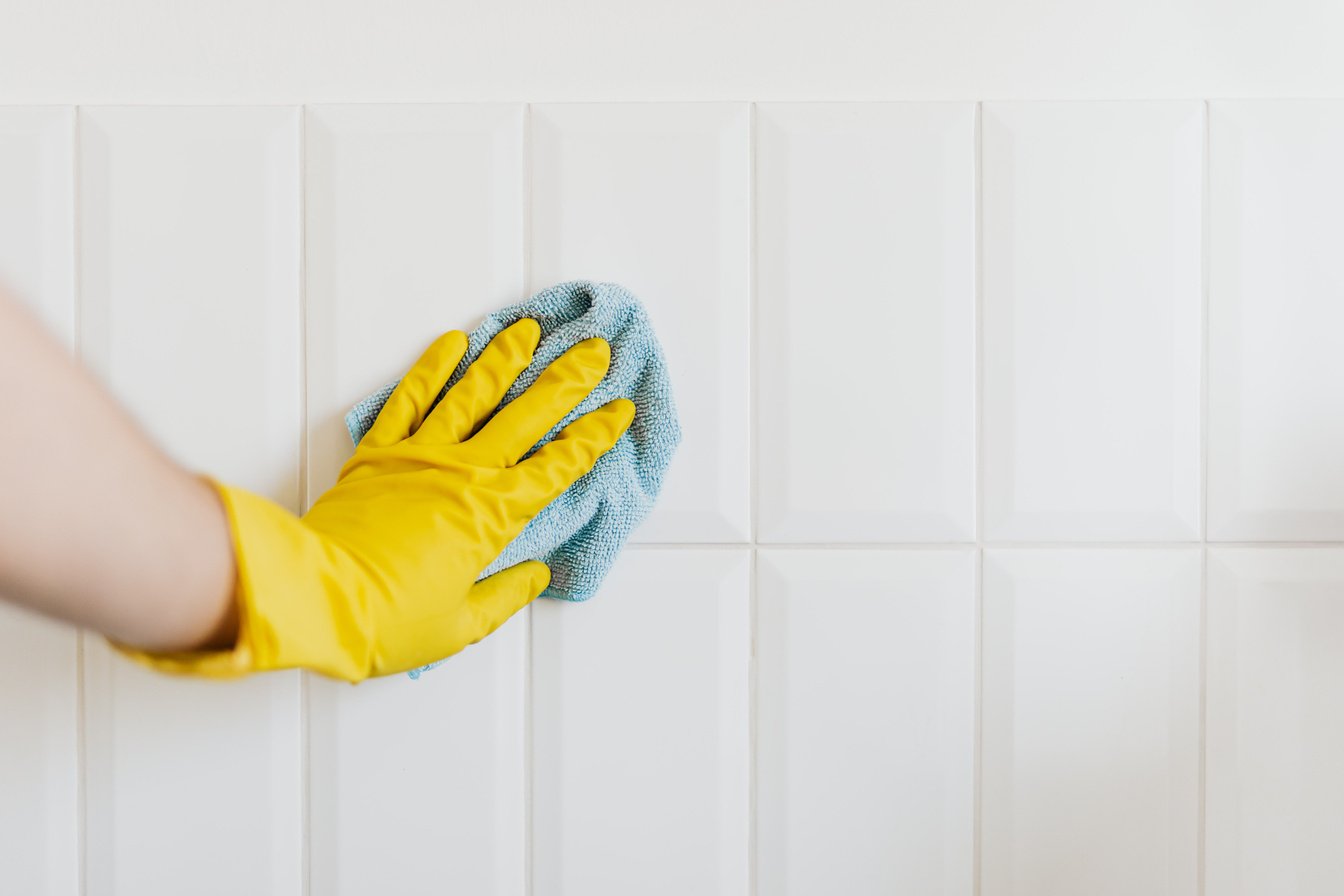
<point>291,612</point>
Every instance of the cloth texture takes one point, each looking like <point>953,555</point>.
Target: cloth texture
<point>579,534</point>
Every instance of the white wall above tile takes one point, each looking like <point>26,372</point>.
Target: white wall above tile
<point>1092,340</point>
<point>866,307</point>
<point>265,51</point>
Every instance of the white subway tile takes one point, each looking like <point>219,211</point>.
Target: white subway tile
<point>39,768</point>
<point>1092,308</point>
<point>1275,721</point>
<point>866,722</point>
<point>415,226</point>
<point>37,212</point>
<point>1276,309</point>
<point>190,245</point>
<point>866,309</point>
<point>39,755</point>
<point>655,196</point>
<point>194,785</point>
<point>190,249</point>
<point>1090,722</point>
<point>640,730</point>
<point>417,786</point>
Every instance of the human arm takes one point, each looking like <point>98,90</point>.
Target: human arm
<point>378,577</point>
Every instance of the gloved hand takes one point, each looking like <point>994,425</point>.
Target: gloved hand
<point>380,575</point>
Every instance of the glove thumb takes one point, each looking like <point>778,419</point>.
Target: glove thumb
<point>493,600</point>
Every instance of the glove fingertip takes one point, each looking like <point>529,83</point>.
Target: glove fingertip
<point>623,409</point>
<point>539,577</point>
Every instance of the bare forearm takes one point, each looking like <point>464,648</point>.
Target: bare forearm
<point>97,526</point>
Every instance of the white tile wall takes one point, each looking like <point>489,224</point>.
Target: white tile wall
<point>923,608</point>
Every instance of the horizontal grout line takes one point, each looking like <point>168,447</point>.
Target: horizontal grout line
<point>1209,102</point>
<point>965,545</point>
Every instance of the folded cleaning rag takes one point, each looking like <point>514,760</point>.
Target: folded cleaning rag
<point>579,533</point>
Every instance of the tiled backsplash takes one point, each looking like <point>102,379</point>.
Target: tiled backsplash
<point>1004,555</point>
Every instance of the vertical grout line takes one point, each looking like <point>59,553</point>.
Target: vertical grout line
<point>978,336</point>
<point>1203,703</point>
<point>1203,502</point>
<point>1204,336</point>
<point>528,771</point>
<point>303,307</point>
<point>979,685</point>
<point>753,486</point>
<point>753,721</point>
<point>77,347</point>
<point>979,339</point>
<point>305,740</point>
<point>753,340</point>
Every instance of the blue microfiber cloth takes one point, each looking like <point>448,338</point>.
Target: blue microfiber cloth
<point>579,533</point>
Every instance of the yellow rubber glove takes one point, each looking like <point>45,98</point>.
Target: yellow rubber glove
<point>380,575</point>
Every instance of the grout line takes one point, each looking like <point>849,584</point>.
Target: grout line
<point>81,668</point>
<point>978,334</point>
<point>81,769</point>
<point>1090,545</point>
<point>1204,337</point>
<point>977,771</point>
<point>303,308</point>
<point>1295,545</point>
<point>753,484</point>
<point>1203,501</point>
<point>978,339</point>
<point>527,199</point>
<point>688,100</point>
<point>985,546</point>
<point>529,636</point>
<point>305,733</point>
<point>951,100</point>
<point>753,726</point>
<point>753,321</point>
<point>784,546</point>
<point>949,545</point>
<point>76,240</point>
<point>1201,786</point>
